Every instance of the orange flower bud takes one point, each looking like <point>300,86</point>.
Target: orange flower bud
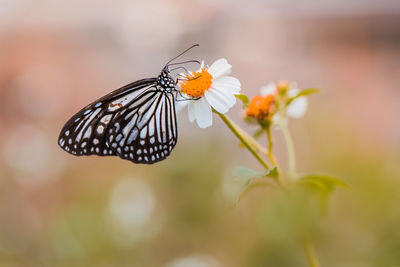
<point>260,107</point>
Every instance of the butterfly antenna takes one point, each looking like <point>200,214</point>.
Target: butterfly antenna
<point>184,62</point>
<point>195,45</point>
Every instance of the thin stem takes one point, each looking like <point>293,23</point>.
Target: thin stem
<point>271,157</point>
<point>270,154</point>
<point>290,150</point>
<point>235,129</point>
<point>257,147</point>
<point>309,250</point>
<point>311,256</point>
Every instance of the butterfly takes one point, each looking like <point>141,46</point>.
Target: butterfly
<point>136,122</point>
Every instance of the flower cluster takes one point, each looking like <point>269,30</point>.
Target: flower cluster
<point>276,102</point>
<point>210,88</point>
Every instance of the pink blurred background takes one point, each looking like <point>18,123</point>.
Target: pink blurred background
<point>57,56</point>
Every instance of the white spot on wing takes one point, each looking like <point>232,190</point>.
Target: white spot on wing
<point>88,132</point>
<point>123,101</point>
<point>129,126</point>
<point>100,129</point>
<point>106,119</point>
<point>132,136</point>
<point>143,132</point>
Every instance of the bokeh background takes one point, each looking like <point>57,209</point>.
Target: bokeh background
<point>60,210</point>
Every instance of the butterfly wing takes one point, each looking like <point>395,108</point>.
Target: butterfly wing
<point>85,133</point>
<point>146,132</point>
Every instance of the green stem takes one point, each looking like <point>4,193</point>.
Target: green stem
<point>309,250</point>
<point>270,154</point>
<point>290,150</point>
<point>237,131</point>
<point>311,256</point>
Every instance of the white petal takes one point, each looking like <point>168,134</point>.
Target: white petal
<point>228,83</point>
<point>298,107</point>
<point>219,67</point>
<point>191,111</point>
<point>293,92</point>
<point>268,89</point>
<point>180,105</point>
<point>202,112</point>
<point>221,100</point>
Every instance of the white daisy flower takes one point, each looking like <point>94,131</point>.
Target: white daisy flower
<point>210,87</point>
<point>297,107</point>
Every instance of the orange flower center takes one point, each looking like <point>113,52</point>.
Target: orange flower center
<point>260,107</point>
<point>197,84</point>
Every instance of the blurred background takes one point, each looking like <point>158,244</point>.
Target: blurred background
<point>60,210</point>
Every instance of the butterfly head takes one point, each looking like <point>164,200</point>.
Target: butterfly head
<point>165,81</point>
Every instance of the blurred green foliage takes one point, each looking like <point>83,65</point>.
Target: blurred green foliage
<point>67,222</point>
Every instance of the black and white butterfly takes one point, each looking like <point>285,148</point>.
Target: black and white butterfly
<point>136,122</point>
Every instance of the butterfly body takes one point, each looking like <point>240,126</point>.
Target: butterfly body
<point>136,122</point>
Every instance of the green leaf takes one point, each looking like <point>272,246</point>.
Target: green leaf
<point>323,180</point>
<point>247,173</point>
<point>244,99</point>
<point>304,92</point>
<point>322,186</point>
<point>244,179</point>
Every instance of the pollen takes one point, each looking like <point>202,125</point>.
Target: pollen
<point>260,107</point>
<point>196,85</point>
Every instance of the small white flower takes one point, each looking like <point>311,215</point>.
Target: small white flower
<point>209,87</point>
<point>269,89</point>
<point>296,108</point>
